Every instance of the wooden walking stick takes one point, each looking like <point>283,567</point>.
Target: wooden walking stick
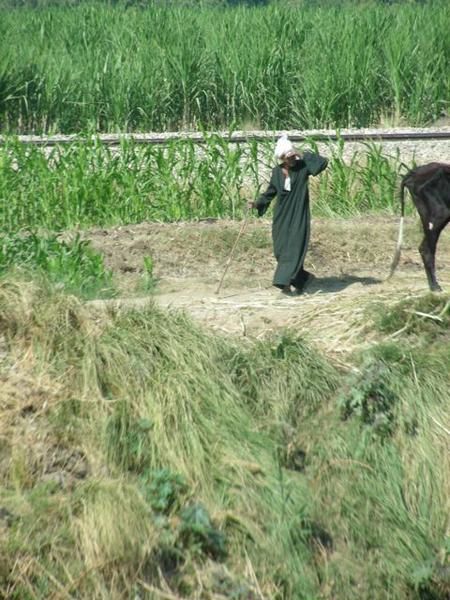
<point>241,231</point>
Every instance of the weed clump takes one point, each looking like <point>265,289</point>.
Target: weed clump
<point>72,265</point>
<point>163,489</point>
<point>199,534</point>
<point>371,398</point>
<point>128,440</point>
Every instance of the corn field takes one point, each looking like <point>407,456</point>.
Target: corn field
<point>108,68</point>
<point>90,184</point>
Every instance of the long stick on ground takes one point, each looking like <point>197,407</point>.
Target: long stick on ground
<point>241,231</point>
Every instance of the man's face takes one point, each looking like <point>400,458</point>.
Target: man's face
<point>289,159</point>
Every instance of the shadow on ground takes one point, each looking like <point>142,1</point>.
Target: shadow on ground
<point>331,285</point>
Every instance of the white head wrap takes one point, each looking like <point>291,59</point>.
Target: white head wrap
<point>283,147</point>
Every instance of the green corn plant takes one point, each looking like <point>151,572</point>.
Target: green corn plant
<point>72,264</point>
<point>87,183</point>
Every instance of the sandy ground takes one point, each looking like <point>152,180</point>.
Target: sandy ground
<point>349,258</point>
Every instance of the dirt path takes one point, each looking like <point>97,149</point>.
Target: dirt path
<point>350,260</point>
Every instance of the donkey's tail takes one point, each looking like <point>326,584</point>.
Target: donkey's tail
<point>398,249</point>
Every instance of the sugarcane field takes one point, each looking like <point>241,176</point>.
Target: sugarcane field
<point>224,300</point>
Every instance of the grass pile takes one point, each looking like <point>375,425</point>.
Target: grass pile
<point>143,457</point>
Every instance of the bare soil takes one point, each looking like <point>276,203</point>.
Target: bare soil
<point>349,258</point>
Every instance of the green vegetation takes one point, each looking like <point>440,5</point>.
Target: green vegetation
<point>420,318</point>
<point>155,67</point>
<point>161,460</point>
<point>148,279</point>
<point>72,264</point>
<point>88,183</point>
<point>141,457</point>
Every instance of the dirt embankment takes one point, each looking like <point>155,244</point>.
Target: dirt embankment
<point>349,258</point>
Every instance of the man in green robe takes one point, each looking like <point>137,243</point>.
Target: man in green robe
<point>291,216</point>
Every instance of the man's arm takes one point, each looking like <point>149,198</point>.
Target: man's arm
<point>263,202</point>
<point>314,163</point>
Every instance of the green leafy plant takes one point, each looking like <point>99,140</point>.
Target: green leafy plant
<point>198,531</point>
<point>71,264</point>
<point>148,281</point>
<point>163,489</point>
<point>371,398</point>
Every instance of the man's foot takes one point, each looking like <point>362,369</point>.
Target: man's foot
<point>286,291</point>
<point>300,288</point>
<point>306,274</point>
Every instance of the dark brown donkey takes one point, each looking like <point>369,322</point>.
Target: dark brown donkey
<point>429,186</point>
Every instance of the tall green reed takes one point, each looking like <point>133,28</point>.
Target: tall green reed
<point>111,69</point>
